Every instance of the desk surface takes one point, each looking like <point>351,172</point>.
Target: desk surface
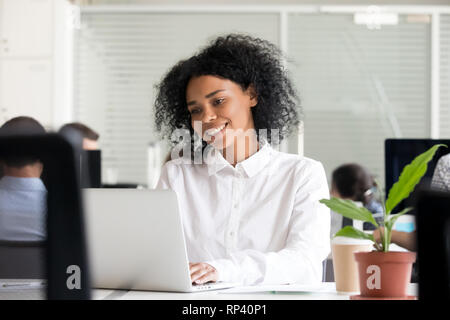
<point>326,291</point>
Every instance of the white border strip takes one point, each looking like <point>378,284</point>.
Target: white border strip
<point>197,8</point>
<point>416,9</point>
<point>435,76</point>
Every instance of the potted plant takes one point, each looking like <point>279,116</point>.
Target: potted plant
<point>384,273</point>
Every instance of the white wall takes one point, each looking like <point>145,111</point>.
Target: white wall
<point>34,59</point>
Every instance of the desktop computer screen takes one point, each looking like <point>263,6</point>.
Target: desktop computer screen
<point>90,169</point>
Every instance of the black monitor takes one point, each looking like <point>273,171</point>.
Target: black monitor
<point>433,243</point>
<point>399,153</point>
<point>90,169</point>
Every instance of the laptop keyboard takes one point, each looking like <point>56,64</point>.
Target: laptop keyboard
<point>204,286</point>
<point>209,286</point>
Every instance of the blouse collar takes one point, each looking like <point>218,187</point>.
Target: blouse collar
<point>251,166</point>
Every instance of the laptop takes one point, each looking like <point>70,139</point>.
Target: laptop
<point>135,241</point>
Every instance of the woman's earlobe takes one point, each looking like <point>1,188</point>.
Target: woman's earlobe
<point>253,96</point>
<point>254,99</point>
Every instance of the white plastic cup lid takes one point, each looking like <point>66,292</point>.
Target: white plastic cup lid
<point>350,241</point>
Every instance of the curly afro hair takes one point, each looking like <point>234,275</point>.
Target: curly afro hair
<point>244,60</point>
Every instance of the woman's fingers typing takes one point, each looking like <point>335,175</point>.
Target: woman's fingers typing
<point>202,273</point>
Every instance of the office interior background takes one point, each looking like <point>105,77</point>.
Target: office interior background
<point>365,70</point>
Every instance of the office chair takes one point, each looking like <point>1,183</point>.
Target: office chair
<point>25,260</point>
<point>65,244</point>
<point>433,244</point>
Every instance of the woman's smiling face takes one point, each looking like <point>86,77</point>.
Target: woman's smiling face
<point>221,107</point>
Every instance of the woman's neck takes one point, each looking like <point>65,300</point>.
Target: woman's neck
<point>242,148</point>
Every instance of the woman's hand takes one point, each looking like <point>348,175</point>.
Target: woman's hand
<point>202,273</point>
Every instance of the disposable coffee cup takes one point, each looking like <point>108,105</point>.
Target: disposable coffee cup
<point>344,264</point>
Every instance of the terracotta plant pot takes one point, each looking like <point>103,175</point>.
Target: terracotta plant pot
<point>384,274</point>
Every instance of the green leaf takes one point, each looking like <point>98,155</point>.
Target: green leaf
<point>409,178</point>
<point>349,209</point>
<point>390,223</point>
<point>351,232</point>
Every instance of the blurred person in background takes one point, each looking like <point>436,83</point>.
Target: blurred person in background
<point>81,135</point>
<point>23,195</point>
<point>441,175</point>
<point>354,182</point>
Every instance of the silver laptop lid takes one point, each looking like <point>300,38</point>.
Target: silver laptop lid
<point>135,240</point>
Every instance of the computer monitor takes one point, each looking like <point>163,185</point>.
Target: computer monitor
<point>90,169</point>
<point>433,243</point>
<point>399,153</point>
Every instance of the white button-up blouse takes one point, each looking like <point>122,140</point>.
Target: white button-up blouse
<point>257,223</point>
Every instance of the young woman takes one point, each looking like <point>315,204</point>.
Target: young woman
<point>250,213</point>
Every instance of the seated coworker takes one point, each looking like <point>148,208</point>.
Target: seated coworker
<point>354,182</point>
<point>250,213</point>
<point>79,131</point>
<point>441,175</point>
<point>22,193</point>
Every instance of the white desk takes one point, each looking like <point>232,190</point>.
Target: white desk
<point>326,291</point>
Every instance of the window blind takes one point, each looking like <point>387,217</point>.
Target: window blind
<point>359,86</point>
<point>119,57</point>
<point>445,76</point>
